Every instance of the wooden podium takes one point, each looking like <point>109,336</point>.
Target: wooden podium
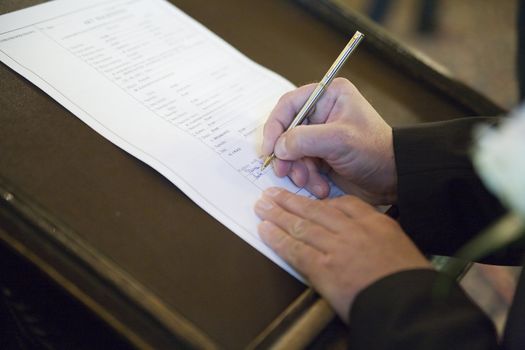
<point>131,247</point>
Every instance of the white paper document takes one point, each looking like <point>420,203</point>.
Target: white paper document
<point>162,87</point>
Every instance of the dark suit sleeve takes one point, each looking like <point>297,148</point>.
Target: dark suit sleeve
<point>442,204</point>
<point>401,311</point>
<point>441,201</point>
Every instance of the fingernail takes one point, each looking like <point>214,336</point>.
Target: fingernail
<point>263,204</point>
<point>272,191</point>
<point>280,149</point>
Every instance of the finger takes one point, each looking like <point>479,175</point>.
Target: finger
<point>301,256</point>
<point>352,206</point>
<point>304,173</point>
<point>325,141</point>
<point>316,183</point>
<point>282,115</point>
<point>299,228</point>
<point>289,105</point>
<point>313,210</point>
<point>299,173</point>
<point>281,167</point>
<point>336,95</point>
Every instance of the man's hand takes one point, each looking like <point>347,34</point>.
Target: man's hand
<point>339,245</point>
<point>345,139</point>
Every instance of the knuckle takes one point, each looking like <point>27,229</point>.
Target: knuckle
<point>340,81</point>
<point>299,228</point>
<point>344,84</point>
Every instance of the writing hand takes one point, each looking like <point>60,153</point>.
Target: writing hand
<point>346,139</point>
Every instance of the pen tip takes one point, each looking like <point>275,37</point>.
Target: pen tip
<point>266,162</point>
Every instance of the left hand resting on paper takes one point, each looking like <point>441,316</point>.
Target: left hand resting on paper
<point>339,245</point>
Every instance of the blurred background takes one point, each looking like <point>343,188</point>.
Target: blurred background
<point>476,41</point>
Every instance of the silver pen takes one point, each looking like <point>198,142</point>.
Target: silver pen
<point>321,87</point>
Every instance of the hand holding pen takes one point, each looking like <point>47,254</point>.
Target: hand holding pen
<point>346,140</point>
<point>321,87</point>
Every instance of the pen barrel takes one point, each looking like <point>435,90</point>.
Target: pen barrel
<point>341,59</point>
<point>327,79</point>
<point>308,106</point>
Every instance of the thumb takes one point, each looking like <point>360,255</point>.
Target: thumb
<point>317,140</point>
